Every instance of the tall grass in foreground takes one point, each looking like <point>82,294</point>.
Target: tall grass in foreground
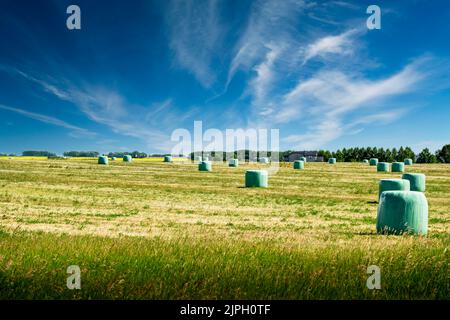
<point>33,266</point>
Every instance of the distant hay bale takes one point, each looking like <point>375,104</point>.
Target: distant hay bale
<point>127,158</point>
<point>365,161</point>
<point>298,164</point>
<point>113,158</point>
<point>102,160</point>
<point>402,212</point>
<point>416,181</point>
<point>332,160</point>
<point>264,160</point>
<point>373,161</point>
<point>408,162</point>
<point>383,167</point>
<point>398,167</point>
<point>233,163</point>
<point>167,158</point>
<point>205,166</point>
<point>393,185</point>
<point>256,178</point>
<point>303,159</point>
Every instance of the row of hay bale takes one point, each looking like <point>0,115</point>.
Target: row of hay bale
<point>403,207</point>
<point>104,159</point>
<point>387,167</point>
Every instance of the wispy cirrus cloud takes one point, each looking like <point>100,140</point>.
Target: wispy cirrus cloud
<point>75,130</point>
<point>195,36</point>
<point>329,100</point>
<point>341,44</point>
<point>100,105</point>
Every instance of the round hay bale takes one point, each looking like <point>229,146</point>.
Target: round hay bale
<point>167,158</point>
<point>298,164</point>
<point>365,161</point>
<point>393,185</point>
<point>256,178</point>
<point>113,158</point>
<point>402,212</point>
<point>373,161</point>
<point>205,166</point>
<point>264,160</point>
<point>416,181</point>
<point>383,167</point>
<point>408,162</point>
<point>127,158</point>
<point>233,163</point>
<point>332,160</point>
<point>102,160</point>
<point>303,159</point>
<point>398,167</point>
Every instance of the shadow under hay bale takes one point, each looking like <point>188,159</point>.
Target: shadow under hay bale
<point>402,212</point>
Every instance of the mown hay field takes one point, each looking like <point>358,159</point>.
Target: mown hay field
<point>154,230</point>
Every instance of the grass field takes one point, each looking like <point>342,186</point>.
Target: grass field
<point>153,230</point>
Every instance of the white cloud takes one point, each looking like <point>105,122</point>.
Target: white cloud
<point>341,44</point>
<point>195,39</point>
<point>76,131</point>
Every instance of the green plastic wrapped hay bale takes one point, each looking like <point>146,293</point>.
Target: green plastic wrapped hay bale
<point>416,181</point>
<point>332,160</point>
<point>205,166</point>
<point>256,178</point>
<point>102,160</point>
<point>167,158</point>
<point>113,158</point>
<point>365,161</point>
<point>127,158</point>
<point>402,212</point>
<point>298,164</point>
<point>233,163</point>
<point>382,167</point>
<point>303,159</point>
<point>398,167</point>
<point>393,185</point>
<point>373,161</point>
<point>264,160</point>
<point>408,162</point>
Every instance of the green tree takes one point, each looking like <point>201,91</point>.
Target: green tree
<point>443,155</point>
<point>425,156</point>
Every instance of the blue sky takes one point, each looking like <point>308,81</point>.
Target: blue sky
<point>137,70</point>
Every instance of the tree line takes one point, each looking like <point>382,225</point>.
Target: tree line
<point>356,154</point>
<point>388,155</point>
